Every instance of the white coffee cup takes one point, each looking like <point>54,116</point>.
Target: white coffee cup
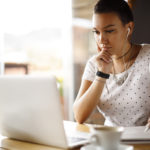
<point>106,137</point>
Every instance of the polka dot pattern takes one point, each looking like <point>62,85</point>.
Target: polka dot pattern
<point>129,103</point>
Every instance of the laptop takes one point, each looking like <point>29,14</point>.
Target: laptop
<point>30,110</point>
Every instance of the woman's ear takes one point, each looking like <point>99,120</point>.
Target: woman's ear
<point>130,27</point>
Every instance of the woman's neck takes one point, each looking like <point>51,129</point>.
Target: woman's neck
<point>120,65</point>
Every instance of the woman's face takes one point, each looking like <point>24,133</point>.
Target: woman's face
<point>109,32</point>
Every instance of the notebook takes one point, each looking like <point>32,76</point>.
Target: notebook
<point>135,135</point>
<point>30,110</point>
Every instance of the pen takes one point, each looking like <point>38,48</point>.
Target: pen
<point>147,127</point>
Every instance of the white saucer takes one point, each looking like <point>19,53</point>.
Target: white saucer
<point>96,147</point>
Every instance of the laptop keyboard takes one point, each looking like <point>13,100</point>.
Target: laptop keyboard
<point>75,139</point>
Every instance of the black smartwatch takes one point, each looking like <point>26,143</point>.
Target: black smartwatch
<point>102,74</point>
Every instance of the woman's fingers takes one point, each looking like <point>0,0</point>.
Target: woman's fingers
<point>106,59</point>
<point>103,60</point>
<point>105,56</point>
<point>98,48</point>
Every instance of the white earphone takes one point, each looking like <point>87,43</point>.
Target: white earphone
<point>128,32</point>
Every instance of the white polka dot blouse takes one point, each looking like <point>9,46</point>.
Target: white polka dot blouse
<point>127,104</point>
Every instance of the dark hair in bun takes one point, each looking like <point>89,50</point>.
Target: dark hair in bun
<point>120,7</point>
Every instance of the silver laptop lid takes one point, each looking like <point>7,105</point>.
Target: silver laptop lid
<point>30,110</point>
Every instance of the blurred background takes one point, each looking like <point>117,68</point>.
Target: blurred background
<point>43,37</point>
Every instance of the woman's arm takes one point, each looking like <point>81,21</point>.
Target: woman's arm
<point>87,98</point>
<point>90,92</point>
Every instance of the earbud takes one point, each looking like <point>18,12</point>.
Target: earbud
<point>128,32</point>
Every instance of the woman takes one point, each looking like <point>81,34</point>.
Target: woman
<point>117,79</point>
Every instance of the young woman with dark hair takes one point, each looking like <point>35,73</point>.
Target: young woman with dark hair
<point>116,80</point>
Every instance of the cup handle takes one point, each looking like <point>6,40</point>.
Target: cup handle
<point>94,139</point>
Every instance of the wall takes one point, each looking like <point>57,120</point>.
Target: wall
<point>141,11</point>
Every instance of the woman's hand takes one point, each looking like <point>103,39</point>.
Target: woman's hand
<point>148,121</point>
<point>103,60</point>
<point>147,125</point>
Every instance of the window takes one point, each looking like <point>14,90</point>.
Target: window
<point>34,37</point>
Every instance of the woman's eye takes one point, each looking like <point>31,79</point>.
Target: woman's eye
<point>109,31</point>
<point>97,32</point>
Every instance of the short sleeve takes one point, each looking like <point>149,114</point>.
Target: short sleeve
<point>149,59</point>
<point>147,49</point>
<point>90,70</point>
<point>149,67</point>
